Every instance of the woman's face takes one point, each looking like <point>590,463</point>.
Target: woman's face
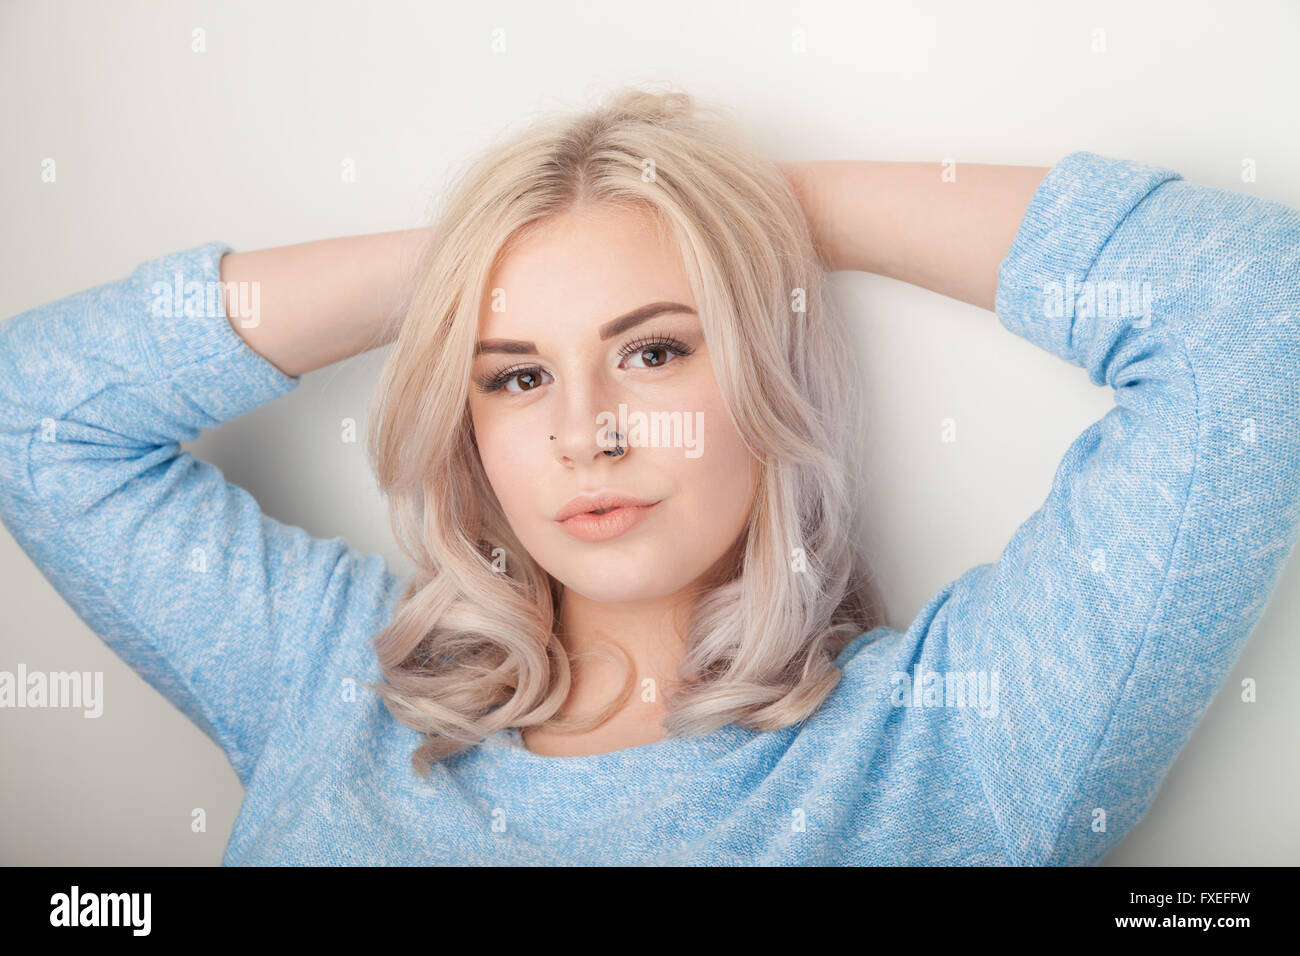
<point>589,329</point>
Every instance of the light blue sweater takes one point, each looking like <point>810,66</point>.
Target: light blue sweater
<point>1097,639</point>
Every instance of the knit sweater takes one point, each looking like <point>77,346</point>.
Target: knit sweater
<point>1026,716</point>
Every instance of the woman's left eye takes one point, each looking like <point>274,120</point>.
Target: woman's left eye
<point>664,350</point>
<point>652,363</point>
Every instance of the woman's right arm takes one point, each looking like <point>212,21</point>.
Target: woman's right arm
<point>218,606</point>
<point>320,302</point>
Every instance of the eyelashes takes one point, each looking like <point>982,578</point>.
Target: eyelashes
<point>496,381</point>
<point>647,342</point>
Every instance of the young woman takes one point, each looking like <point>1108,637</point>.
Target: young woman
<point>630,643</point>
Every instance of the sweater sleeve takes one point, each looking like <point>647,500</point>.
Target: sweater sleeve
<point>215,604</point>
<point>1117,609</point>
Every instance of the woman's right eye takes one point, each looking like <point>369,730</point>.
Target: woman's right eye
<point>530,375</point>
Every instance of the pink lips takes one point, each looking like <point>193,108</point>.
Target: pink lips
<point>619,513</point>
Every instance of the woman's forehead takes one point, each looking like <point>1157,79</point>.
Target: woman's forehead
<point>586,270</point>
<point>586,241</point>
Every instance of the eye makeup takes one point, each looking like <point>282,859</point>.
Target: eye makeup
<point>497,380</point>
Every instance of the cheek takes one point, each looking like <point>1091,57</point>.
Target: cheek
<point>503,450</point>
<point>720,482</point>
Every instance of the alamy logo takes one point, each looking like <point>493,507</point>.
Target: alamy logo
<point>974,689</point>
<point>102,909</point>
<point>1107,298</point>
<point>55,689</point>
<point>208,299</point>
<point>652,430</point>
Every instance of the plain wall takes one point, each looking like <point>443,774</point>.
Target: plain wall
<point>160,148</point>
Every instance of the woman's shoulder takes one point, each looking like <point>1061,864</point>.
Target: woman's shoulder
<point>852,650</point>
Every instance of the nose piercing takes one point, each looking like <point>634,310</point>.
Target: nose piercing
<point>617,449</point>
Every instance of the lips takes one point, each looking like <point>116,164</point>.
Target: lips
<point>604,525</point>
<point>602,501</point>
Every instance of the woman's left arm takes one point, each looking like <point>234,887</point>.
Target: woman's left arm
<point>945,229</point>
<point>1118,608</point>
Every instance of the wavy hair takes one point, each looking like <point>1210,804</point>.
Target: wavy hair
<point>471,651</point>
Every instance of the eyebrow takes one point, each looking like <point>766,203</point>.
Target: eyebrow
<point>608,330</point>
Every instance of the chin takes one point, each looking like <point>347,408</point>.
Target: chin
<point>602,592</point>
<point>620,579</point>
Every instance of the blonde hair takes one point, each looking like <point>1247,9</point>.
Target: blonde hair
<point>470,650</point>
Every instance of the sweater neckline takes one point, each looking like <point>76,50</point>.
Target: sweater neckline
<point>552,799</point>
<point>549,800</point>
<point>667,753</point>
<point>509,745</point>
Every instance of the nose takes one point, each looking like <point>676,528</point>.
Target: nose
<point>587,430</point>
